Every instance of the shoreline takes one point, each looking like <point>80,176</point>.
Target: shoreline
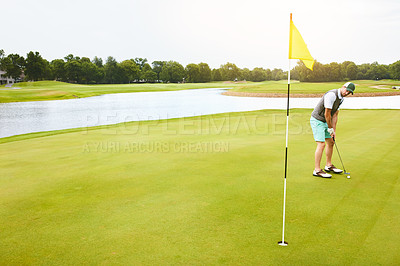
<point>300,95</point>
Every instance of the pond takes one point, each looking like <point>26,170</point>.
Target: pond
<point>27,117</point>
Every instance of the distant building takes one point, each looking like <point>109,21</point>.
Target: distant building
<point>4,79</point>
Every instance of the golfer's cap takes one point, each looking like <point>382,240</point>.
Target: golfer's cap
<point>350,87</point>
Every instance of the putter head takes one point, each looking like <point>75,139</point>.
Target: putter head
<point>346,173</point>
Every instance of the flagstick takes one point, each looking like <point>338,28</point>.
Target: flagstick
<point>283,243</point>
<point>301,52</point>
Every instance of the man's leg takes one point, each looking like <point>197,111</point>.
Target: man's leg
<point>318,155</point>
<point>329,151</point>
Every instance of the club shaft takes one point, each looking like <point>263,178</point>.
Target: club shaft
<point>340,157</point>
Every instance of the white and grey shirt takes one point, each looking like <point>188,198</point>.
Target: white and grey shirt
<point>331,100</point>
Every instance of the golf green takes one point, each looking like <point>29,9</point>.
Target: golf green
<point>202,190</point>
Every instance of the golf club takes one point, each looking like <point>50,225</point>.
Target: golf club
<point>346,173</point>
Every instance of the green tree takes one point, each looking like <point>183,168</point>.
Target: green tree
<point>192,73</point>
<point>362,71</point>
<point>73,71</point>
<point>13,65</point>
<point>205,72</point>
<point>140,62</point>
<point>147,73</point>
<point>294,74</point>
<point>89,71</point>
<point>149,76</point>
<point>73,68</point>
<point>377,72</point>
<point>383,72</point>
<point>335,72</point>
<point>172,72</point>
<point>58,69</point>
<point>268,74</point>
<point>372,72</point>
<point>100,75</point>
<point>351,71</point>
<point>229,71</point>
<point>2,54</point>
<point>258,74</point>
<point>157,67</point>
<point>277,74</point>
<point>130,70</point>
<point>35,67</point>
<point>216,75</point>
<point>343,68</point>
<point>395,70</point>
<point>98,62</point>
<point>113,71</point>
<point>48,73</point>
<point>71,57</point>
<point>245,74</point>
<point>319,73</point>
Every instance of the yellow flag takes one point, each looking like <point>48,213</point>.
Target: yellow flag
<point>298,48</point>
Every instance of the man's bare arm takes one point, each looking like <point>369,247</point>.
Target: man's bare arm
<point>334,120</point>
<point>328,117</point>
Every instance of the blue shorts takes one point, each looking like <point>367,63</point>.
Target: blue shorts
<point>319,129</point>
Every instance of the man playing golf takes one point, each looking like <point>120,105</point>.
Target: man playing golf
<point>323,123</point>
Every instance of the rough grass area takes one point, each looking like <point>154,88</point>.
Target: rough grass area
<point>52,90</point>
<point>202,190</point>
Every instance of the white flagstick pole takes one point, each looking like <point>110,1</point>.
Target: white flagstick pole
<point>283,243</point>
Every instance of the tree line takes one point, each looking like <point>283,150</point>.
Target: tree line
<point>345,71</point>
<point>82,70</point>
<point>74,69</point>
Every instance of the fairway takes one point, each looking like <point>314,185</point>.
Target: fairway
<point>202,190</point>
<point>54,90</point>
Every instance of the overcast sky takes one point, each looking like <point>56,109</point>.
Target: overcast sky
<point>249,33</point>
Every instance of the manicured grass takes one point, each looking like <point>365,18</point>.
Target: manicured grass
<point>147,193</point>
<point>51,90</point>
<point>362,86</point>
